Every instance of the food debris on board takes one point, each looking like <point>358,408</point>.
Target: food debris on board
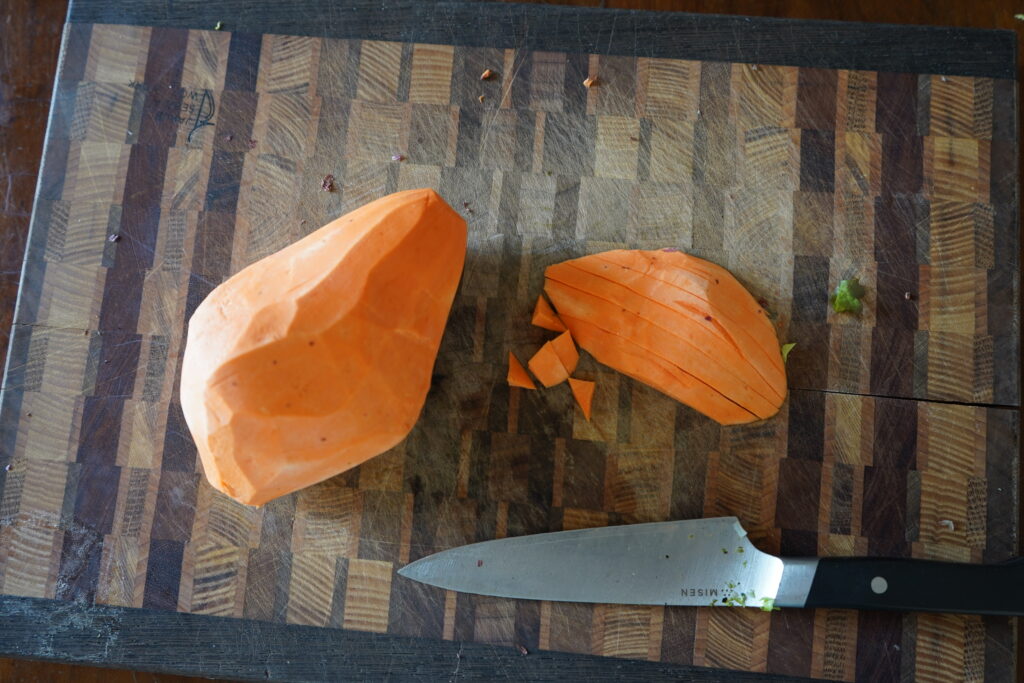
<point>590,81</point>
<point>397,157</point>
<point>847,296</point>
<point>114,238</point>
<point>327,185</point>
<point>487,75</point>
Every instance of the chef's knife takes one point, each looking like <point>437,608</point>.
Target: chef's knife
<point>712,562</point>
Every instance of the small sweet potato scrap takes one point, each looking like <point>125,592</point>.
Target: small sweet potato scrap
<point>566,350</point>
<point>546,366</point>
<point>583,392</point>
<point>517,375</point>
<point>545,316</point>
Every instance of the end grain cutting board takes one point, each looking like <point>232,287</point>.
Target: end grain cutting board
<point>176,157</point>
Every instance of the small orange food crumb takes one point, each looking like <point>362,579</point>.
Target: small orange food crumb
<point>590,81</point>
<point>487,75</point>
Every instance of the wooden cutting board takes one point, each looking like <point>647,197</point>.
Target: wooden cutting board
<point>176,157</point>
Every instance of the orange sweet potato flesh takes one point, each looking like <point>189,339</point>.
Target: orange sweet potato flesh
<point>319,357</point>
<point>566,351</point>
<point>547,367</point>
<point>583,392</point>
<point>544,316</point>
<point>678,323</point>
<point>517,375</point>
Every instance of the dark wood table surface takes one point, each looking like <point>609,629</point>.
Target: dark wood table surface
<point>29,40</point>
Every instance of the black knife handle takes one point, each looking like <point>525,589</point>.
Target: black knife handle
<point>918,585</point>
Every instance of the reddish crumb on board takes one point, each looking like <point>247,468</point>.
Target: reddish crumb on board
<point>487,75</point>
<point>397,157</point>
<point>252,143</point>
<point>590,81</point>
<point>328,183</point>
<point>522,650</point>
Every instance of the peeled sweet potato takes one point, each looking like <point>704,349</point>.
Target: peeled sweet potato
<point>319,357</point>
<point>683,325</point>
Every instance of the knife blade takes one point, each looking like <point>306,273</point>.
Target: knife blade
<point>711,562</point>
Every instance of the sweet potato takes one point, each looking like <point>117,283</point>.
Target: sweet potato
<point>319,357</point>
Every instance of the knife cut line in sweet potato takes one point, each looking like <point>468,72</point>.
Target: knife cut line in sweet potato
<point>704,333</point>
<point>545,317</point>
<point>752,331</point>
<point>663,343</point>
<point>517,375</point>
<point>656,372</point>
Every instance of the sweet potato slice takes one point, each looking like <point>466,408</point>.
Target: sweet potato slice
<point>319,357</point>
<point>517,375</point>
<point>583,392</point>
<point>566,350</point>
<point>547,367</point>
<point>545,316</point>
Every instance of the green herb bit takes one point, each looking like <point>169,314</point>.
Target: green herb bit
<point>768,605</point>
<point>786,348</point>
<point>846,298</point>
<point>218,26</point>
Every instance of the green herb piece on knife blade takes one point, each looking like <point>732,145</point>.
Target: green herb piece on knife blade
<point>846,298</point>
<point>768,605</point>
<point>786,348</point>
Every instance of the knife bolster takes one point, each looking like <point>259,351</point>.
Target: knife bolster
<point>797,577</point>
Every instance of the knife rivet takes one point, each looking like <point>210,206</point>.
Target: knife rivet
<point>879,585</point>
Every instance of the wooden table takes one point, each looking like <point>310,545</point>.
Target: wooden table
<point>838,159</point>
